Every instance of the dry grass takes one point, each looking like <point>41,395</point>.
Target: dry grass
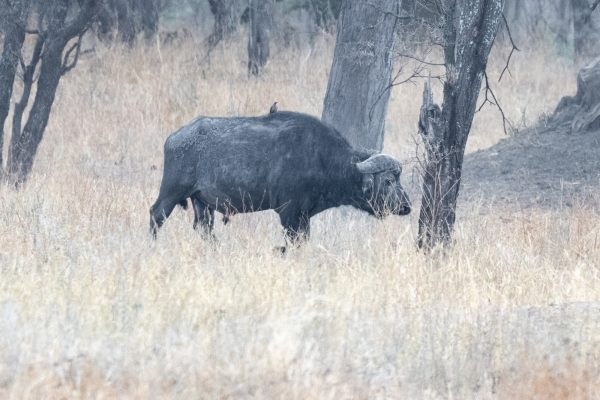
<point>90,307</point>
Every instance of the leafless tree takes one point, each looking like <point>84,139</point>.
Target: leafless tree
<point>361,78</point>
<point>469,28</point>
<point>56,51</point>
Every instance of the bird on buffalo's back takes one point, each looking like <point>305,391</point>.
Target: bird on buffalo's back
<point>273,108</point>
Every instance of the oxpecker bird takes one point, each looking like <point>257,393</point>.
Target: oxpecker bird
<point>273,108</point>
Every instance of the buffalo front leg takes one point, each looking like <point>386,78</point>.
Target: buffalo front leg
<point>296,228</point>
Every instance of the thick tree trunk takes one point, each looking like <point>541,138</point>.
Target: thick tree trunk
<point>24,151</point>
<point>470,27</point>
<point>14,27</point>
<point>55,38</point>
<point>260,35</point>
<point>360,79</point>
<point>28,81</point>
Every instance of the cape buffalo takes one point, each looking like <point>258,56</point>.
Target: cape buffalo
<point>288,162</point>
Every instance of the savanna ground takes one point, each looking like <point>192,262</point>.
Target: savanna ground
<point>91,307</point>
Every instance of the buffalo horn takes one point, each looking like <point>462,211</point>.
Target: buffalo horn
<point>379,163</point>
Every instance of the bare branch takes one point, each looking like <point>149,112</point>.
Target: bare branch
<point>486,99</point>
<point>66,67</point>
<point>421,61</point>
<point>514,47</point>
<point>415,74</point>
<point>488,89</point>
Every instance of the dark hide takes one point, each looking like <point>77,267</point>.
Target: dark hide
<point>288,162</point>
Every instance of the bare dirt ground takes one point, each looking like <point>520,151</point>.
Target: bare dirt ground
<point>538,168</point>
<point>551,165</point>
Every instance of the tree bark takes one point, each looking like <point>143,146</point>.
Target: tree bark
<point>584,35</point>
<point>14,26</point>
<point>470,27</point>
<point>56,37</point>
<point>260,35</point>
<point>20,107</point>
<point>360,79</point>
<point>581,113</point>
<point>225,13</point>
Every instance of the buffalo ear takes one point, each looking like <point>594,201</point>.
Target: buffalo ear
<point>367,183</point>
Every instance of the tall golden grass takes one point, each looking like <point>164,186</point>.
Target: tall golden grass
<point>91,307</point>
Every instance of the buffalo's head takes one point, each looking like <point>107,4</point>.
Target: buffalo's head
<point>381,188</point>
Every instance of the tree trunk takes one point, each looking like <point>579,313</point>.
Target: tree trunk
<point>585,35</point>
<point>225,13</point>
<point>581,113</point>
<point>360,79</point>
<point>28,81</point>
<point>470,27</point>
<point>260,35</point>
<point>14,26</point>
<point>55,38</point>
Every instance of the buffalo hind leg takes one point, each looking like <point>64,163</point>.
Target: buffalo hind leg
<point>161,211</point>
<point>296,228</point>
<point>204,215</point>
